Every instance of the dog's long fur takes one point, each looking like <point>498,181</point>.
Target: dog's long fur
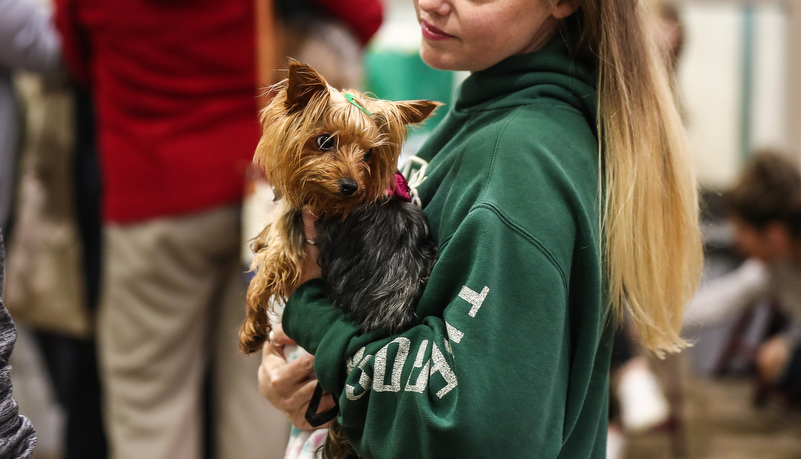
<point>376,263</point>
<point>376,251</point>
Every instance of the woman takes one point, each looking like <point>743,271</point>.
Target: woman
<point>555,210</point>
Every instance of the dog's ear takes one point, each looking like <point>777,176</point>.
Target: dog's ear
<point>393,117</point>
<point>303,83</point>
<point>416,111</point>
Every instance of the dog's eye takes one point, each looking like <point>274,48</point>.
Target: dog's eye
<point>367,154</point>
<point>326,142</point>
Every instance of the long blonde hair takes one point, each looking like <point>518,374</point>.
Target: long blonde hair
<point>652,245</point>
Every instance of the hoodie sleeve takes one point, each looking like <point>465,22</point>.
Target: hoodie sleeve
<point>17,437</point>
<point>493,367</point>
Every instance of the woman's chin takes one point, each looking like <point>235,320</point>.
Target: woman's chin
<point>437,59</point>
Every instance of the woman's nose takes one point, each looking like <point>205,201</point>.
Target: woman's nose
<point>435,7</point>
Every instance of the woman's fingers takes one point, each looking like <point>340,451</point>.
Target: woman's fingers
<point>326,404</point>
<point>311,269</point>
<point>286,377</point>
<point>309,225</point>
<point>289,385</point>
<point>295,372</point>
<point>297,412</point>
<point>279,379</point>
<point>295,408</point>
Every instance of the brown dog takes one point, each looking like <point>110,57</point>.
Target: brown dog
<point>323,150</point>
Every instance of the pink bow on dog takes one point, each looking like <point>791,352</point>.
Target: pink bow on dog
<point>401,188</point>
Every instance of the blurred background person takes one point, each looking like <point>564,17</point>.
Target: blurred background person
<point>53,266</point>
<point>174,93</point>
<point>668,32</point>
<point>173,85</point>
<point>28,41</point>
<point>764,208</point>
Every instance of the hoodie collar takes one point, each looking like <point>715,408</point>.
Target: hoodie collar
<point>549,73</point>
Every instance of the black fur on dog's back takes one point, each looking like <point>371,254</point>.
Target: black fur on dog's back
<point>376,263</point>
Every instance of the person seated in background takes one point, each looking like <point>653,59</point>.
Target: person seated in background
<point>764,209</point>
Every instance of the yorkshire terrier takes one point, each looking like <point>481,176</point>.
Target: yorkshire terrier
<point>335,153</point>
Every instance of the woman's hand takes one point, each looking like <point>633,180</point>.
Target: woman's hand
<point>773,357</point>
<point>289,385</point>
<point>311,269</point>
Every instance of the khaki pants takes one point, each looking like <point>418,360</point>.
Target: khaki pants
<point>172,303</point>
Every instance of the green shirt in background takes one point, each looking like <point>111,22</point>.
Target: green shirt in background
<point>511,355</point>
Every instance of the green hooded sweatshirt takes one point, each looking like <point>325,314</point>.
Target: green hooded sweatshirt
<point>510,358</point>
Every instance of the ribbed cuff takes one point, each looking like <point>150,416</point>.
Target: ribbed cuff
<point>308,315</point>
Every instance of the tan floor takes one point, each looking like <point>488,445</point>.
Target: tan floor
<point>722,423</point>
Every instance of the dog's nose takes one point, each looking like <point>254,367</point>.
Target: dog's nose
<point>348,186</point>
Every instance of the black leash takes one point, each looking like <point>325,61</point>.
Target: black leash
<point>314,419</point>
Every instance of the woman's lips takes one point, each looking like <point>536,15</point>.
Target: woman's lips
<point>432,33</point>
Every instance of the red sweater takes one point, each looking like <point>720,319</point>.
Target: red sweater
<point>173,83</point>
